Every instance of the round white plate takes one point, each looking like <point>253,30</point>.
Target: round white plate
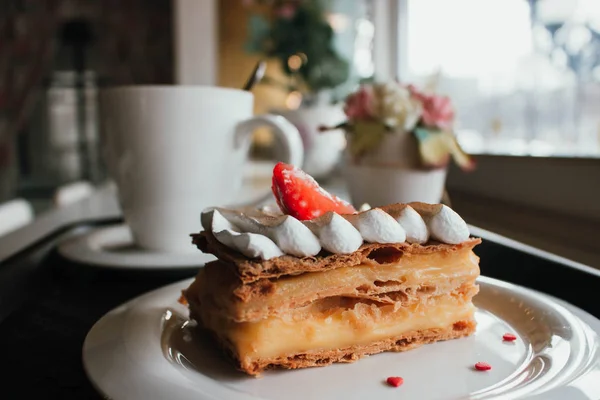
<point>114,247</point>
<point>144,350</point>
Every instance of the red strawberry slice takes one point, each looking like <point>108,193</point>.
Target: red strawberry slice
<point>300,196</point>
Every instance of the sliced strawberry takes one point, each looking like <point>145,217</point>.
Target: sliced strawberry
<point>300,196</point>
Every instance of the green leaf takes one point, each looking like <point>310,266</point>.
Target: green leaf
<point>365,136</point>
<point>258,33</point>
<point>422,134</point>
<point>462,159</point>
<point>436,147</point>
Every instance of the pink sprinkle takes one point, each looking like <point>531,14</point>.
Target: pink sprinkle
<point>509,337</point>
<point>394,381</point>
<point>483,366</point>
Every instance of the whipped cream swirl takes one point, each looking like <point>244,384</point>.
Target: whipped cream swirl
<point>266,233</point>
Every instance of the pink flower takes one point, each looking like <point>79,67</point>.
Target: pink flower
<point>359,105</point>
<point>437,110</point>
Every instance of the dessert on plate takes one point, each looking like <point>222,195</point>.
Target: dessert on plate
<point>314,282</point>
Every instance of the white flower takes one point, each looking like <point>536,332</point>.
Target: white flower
<point>395,106</point>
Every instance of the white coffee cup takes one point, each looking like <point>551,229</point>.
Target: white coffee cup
<point>175,150</point>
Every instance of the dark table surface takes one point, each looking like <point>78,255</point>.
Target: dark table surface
<point>48,304</point>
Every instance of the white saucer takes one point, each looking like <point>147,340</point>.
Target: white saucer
<point>144,350</point>
<point>113,247</point>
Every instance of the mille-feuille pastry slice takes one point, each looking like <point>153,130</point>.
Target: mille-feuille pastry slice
<point>292,294</point>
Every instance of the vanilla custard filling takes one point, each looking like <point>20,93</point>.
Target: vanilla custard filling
<point>412,271</point>
<point>440,272</point>
<point>361,325</point>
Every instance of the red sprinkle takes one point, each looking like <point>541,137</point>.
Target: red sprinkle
<point>483,366</point>
<point>509,337</point>
<point>394,381</point>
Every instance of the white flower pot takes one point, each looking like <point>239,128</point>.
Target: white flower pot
<point>379,186</point>
<point>399,149</point>
<point>391,174</point>
<point>322,150</point>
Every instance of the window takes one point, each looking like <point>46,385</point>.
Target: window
<point>524,75</point>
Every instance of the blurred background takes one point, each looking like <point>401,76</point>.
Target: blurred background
<point>524,76</point>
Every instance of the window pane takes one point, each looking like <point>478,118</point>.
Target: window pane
<point>524,75</point>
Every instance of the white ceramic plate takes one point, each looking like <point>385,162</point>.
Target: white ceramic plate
<point>144,350</point>
<point>113,246</point>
